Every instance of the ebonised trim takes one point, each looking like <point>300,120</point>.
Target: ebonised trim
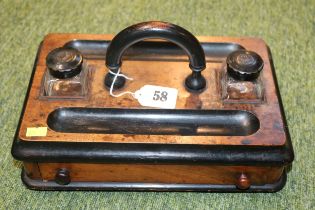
<point>149,153</point>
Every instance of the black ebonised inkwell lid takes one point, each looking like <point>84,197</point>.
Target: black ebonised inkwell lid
<point>64,62</point>
<point>244,65</point>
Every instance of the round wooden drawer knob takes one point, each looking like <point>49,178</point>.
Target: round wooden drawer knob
<point>62,177</point>
<point>243,182</point>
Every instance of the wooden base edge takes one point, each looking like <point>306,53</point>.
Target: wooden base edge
<point>155,187</point>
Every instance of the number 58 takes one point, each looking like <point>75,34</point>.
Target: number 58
<point>158,95</point>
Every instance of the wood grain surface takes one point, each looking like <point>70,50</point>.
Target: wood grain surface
<point>159,173</point>
<point>162,73</point>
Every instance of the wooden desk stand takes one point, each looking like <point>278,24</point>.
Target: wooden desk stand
<point>72,156</point>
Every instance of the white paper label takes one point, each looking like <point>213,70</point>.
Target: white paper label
<point>157,96</point>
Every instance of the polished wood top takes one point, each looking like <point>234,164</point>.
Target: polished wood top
<point>162,73</point>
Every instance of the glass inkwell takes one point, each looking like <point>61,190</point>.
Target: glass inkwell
<point>66,75</point>
<point>241,80</point>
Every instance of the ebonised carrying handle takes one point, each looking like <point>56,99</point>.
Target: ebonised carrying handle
<point>162,30</point>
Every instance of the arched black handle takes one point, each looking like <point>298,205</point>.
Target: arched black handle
<point>162,30</point>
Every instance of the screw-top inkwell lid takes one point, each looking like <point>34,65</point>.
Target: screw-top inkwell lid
<point>64,62</point>
<point>244,65</point>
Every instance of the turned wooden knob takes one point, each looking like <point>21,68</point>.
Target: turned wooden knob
<point>243,182</point>
<point>62,177</point>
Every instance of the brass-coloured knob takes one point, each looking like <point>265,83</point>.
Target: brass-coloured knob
<point>243,182</point>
